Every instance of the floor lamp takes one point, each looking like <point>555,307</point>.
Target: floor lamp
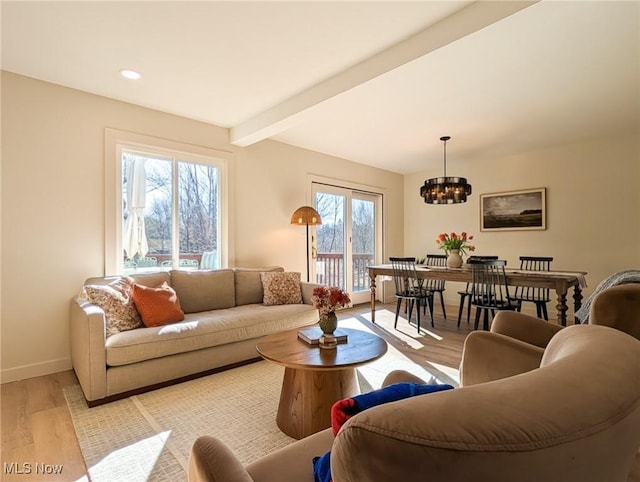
<point>305,216</point>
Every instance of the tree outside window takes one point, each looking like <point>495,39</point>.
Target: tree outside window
<point>180,204</point>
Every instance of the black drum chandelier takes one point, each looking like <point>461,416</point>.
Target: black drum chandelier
<point>445,190</point>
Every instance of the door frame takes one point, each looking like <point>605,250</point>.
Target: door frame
<point>340,187</point>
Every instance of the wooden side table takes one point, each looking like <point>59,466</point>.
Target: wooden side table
<point>314,379</point>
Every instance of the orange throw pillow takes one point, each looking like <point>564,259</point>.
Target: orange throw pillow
<point>157,306</point>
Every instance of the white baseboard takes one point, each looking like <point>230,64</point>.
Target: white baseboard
<point>35,370</point>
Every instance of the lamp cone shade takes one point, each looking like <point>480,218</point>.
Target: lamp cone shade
<point>306,215</point>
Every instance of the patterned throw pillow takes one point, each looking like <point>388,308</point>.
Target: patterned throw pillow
<point>117,304</point>
<point>281,288</point>
<point>157,306</point>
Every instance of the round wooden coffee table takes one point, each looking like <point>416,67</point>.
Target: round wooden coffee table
<point>314,379</point>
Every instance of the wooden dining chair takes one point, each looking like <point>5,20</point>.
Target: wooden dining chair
<point>436,285</point>
<point>489,290</point>
<point>409,288</point>
<point>538,296</point>
<point>465,295</point>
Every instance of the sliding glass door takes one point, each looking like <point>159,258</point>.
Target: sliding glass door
<point>349,239</point>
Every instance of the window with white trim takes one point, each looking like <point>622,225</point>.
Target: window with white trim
<point>170,209</point>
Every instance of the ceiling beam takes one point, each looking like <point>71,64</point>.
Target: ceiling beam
<point>466,21</point>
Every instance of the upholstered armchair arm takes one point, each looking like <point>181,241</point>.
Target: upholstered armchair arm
<point>524,327</point>
<point>293,462</point>
<point>212,461</point>
<point>491,356</point>
<point>401,376</point>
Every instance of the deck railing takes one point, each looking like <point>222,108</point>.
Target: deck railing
<point>330,270</point>
<point>329,267</point>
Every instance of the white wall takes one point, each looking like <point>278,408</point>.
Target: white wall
<point>274,178</point>
<point>593,207</point>
<point>53,209</point>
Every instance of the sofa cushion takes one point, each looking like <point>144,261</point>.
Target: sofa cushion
<point>151,279</point>
<point>281,288</point>
<point>157,306</point>
<point>249,284</point>
<point>205,330</point>
<point>117,304</point>
<point>204,290</point>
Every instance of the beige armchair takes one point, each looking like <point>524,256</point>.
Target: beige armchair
<point>618,307</point>
<point>515,344</point>
<point>523,337</point>
<point>573,417</point>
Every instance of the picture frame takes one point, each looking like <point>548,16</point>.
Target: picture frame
<point>523,210</point>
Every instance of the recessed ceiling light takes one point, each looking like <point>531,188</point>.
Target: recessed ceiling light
<point>130,74</point>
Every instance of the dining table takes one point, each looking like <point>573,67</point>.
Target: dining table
<point>559,281</point>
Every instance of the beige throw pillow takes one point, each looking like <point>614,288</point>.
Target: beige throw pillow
<point>116,302</point>
<point>281,288</point>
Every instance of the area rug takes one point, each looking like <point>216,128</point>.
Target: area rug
<point>148,437</point>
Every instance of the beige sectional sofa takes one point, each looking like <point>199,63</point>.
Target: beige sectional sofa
<point>224,315</point>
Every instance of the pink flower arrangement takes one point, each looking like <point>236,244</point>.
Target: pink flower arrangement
<point>328,299</point>
<point>455,241</point>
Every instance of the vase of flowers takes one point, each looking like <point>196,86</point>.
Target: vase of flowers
<point>328,323</point>
<point>454,246</point>
<point>327,300</point>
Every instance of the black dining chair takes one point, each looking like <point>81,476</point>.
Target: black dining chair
<point>436,285</point>
<point>529,294</point>
<point>465,295</point>
<point>409,288</point>
<point>489,290</point>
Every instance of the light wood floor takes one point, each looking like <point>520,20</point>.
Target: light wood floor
<point>36,426</point>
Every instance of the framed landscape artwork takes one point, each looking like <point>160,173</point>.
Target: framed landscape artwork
<point>513,210</point>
